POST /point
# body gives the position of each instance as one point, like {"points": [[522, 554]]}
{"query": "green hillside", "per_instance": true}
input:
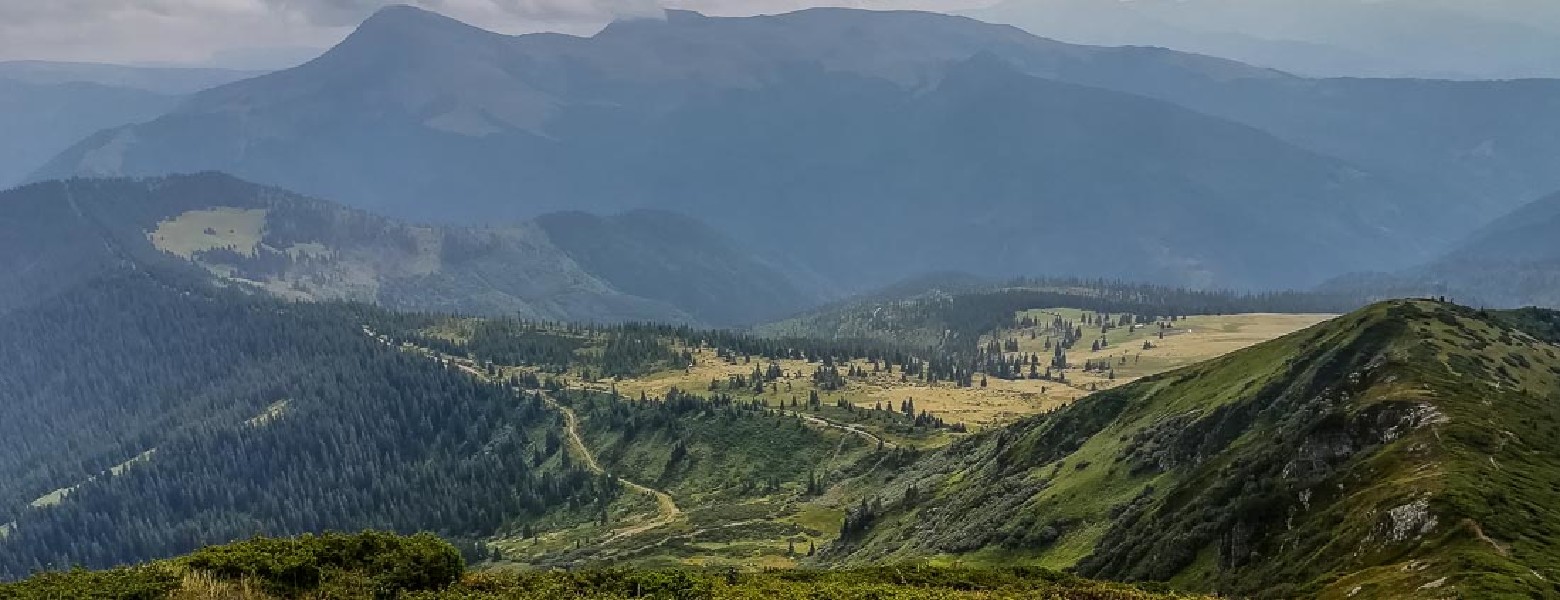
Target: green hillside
{"points": [[376, 566], [147, 413], [144, 416], [56, 234], [719, 475], [955, 315], [1405, 450], [676, 259]]}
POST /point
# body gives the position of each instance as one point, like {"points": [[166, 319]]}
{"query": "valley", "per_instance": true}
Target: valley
{"points": [[873, 414], [1194, 339], [610, 301], [1251, 358], [856, 452], [763, 528]]}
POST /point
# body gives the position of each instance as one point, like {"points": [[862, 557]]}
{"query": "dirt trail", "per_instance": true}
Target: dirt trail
{"points": [[821, 422], [667, 510], [682, 536]]}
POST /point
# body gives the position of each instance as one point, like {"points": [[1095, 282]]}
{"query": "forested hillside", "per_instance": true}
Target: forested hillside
{"points": [[730, 475], [853, 303], [1400, 451], [679, 260], [954, 317], [145, 420], [155, 413], [151, 413], [59, 233]]}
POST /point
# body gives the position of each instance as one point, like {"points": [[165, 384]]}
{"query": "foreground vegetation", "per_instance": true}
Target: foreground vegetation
{"points": [[378, 566]]}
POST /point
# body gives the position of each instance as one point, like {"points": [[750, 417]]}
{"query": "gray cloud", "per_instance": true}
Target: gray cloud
{"points": [[195, 31]]}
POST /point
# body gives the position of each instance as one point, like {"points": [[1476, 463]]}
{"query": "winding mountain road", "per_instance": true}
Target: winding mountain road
{"points": [[666, 507]]}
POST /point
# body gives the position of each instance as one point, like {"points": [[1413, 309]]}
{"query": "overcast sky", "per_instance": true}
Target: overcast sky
{"points": [[258, 31]]}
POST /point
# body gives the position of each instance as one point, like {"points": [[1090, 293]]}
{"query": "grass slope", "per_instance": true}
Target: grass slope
{"points": [[753, 479], [375, 566], [1404, 450]]}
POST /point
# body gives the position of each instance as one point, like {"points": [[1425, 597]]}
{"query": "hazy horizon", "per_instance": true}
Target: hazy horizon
{"points": [[271, 34]]}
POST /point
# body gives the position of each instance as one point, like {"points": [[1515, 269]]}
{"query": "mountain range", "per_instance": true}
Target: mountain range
{"points": [[567, 302], [160, 80], [639, 266], [833, 133], [1339, 38], [45, 107], [1514, 261]]}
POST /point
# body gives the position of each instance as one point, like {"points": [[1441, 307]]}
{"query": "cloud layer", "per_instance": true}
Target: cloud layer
{"points": [[203, 31]]}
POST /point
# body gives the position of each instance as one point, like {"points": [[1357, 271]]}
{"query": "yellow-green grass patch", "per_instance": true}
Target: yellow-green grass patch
{"points": [[197, 231]]}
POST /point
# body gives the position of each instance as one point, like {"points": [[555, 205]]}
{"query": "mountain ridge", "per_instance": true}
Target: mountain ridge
{"points": [[1357, 455], [299, 247], [1349, 38], [740, 121], [1509, 263]]}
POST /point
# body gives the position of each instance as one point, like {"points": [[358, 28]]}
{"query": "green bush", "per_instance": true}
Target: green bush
{"points": [[290, 567], [383, 566], [152, 582]]}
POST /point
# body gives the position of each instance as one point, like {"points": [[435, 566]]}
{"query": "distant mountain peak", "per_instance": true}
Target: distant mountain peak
{"points": [[684, 15], [403, 23], [401, 33], [404, 13]]}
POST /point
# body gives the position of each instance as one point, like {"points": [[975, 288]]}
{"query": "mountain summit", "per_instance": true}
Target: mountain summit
{"points": [[403, 28]]}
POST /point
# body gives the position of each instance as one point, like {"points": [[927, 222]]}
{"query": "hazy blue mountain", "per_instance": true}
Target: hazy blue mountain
{"points": [[57, 234], [1001, 173], [39, 120], [1530, 234], [1512, 262], [1489, 143], [161, 80], [870, 146], [45, 107], [1369, 38], [669, 256]]}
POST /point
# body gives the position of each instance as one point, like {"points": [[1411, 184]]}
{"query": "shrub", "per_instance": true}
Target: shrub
{"points": [[152, 582], [290, 567]]}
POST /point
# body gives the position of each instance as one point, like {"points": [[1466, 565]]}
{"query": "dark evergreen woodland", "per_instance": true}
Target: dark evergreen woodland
{"points": [[230, 416]]}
